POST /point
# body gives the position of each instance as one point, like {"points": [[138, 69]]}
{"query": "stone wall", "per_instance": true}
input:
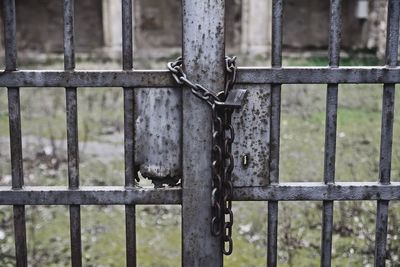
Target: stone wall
{"points": [[306, 24], [377, 26], [40, 25], [158, 23], [256, 27]]}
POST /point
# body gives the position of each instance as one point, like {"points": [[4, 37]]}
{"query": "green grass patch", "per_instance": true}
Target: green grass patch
{"points": [[323, 61], [348, 117]]}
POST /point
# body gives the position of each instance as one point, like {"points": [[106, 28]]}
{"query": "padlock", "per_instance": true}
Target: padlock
{"points": [[234, 99]]}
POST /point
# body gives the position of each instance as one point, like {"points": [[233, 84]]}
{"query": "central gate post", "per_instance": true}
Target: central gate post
{"points": [[204, 63]]}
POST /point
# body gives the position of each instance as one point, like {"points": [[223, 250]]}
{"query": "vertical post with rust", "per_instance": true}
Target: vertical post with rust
{"points": [[392, 44], [72, 134], [203, 60], [15, 131], [330, 131], [276, 62], [129, 132]]}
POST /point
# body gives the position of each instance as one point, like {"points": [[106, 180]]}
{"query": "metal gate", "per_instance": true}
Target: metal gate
{"points": [[203, 59]]}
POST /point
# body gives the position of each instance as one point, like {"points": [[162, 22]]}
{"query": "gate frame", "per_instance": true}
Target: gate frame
{"points": [[204, 63]]}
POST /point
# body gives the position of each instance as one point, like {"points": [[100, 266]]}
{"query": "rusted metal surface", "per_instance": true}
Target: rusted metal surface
{"points": [[130, 235], [318, 75], [119, 195], [252, 133], [319, 191], [330, 131], [158, 123], [163, 79], [89, 195], [388, 99], [72, 134], [14, 111], [10, 38], [20, 236], [276, 62], [204, 61], [129, 131], [75, 233]]}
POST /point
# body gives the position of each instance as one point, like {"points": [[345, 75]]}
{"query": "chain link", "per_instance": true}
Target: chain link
{"points": [[222, 140], [198, 90]]}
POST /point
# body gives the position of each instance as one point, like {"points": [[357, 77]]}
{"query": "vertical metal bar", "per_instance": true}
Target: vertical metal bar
{"points": [[15, 131], [69, 48], [75, 232], [276, 61], [203, 56], [20, 236], [129, 132], [127, 44], [272, 248], [130, 224], [330, 131], [327, 226], [10, 37], [72, 134], [381, 232], [392, 43]]}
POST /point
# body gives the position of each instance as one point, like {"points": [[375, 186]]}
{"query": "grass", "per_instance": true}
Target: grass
{"points": [[158, 227], [323, 61]]}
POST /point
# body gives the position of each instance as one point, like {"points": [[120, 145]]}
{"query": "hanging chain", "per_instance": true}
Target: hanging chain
{"points": [[222, 106]]}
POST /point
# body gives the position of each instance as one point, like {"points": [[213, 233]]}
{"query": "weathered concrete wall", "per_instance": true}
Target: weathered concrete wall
{"points": [[40, 25], [377, 26], [256, 27], [306, 24], [112, 26], [158, 24]]}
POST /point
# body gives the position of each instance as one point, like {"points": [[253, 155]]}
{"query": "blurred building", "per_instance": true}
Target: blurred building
{"points": [[157, 25]]}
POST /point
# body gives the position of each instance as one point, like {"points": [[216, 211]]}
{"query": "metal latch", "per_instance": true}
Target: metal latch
{"points": [[222, 164]]}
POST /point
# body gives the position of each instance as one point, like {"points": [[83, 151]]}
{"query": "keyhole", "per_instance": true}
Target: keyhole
{"points": [[245, 160]]}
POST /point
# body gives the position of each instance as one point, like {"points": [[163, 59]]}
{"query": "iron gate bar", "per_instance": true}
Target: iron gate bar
{"points": [[318, 75], [162, 79], [129, 132], [319, 192], [276, 62], [89, 195], [330, 131], [203, 51], [15, 132], [72, 134], [388, 99], [120, 195]]}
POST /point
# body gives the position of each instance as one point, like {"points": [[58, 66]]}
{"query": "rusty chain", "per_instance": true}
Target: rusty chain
{"points": [[222, 139]]}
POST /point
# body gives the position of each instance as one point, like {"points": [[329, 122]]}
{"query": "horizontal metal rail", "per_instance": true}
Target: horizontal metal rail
{"points": [[119, 195], [88, 195], [319, 191], [161, 78], [318, 75]]}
